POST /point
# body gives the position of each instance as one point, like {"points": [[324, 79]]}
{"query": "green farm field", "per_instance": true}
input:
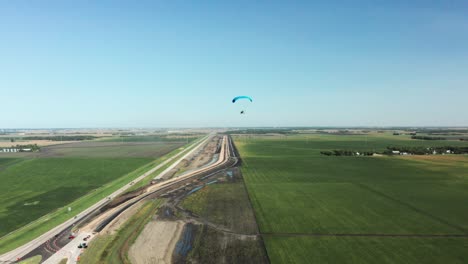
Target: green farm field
{"points": [[305, 201], [36, 189]]}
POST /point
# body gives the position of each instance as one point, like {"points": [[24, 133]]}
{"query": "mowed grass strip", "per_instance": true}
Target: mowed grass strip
{"points": [[114, 248], [362, 250], [32, 260]]}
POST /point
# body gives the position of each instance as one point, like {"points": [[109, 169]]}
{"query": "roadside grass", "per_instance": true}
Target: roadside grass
{"points": [[114, 248], [196, 202], [63, 261], [369, 250], [296, 190], [32, 260]]}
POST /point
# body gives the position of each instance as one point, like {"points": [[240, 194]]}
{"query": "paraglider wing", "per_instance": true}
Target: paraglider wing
{"points": [[242, 97]]}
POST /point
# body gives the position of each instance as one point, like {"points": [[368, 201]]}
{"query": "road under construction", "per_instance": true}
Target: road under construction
{"points": [[59, 246]]}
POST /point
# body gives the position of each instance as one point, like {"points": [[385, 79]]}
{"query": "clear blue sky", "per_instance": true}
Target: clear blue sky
{"points": [[179, 63]]}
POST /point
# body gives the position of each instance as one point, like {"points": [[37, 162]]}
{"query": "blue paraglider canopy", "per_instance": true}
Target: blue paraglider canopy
{"points": [[242, 97]]}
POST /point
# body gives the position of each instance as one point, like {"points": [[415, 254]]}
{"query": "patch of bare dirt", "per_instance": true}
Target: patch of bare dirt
{"points": [[200, 158], [156, 242], [125, 197]]}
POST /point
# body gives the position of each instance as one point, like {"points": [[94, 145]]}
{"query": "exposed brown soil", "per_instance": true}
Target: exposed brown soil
{"points": [[156, 242], [125, 197], [7, 144]]}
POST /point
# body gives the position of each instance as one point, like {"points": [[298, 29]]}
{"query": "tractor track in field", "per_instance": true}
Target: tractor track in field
{"points": [[190, 217]]}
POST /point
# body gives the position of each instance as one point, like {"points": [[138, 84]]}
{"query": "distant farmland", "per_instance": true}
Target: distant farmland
{"points": [[315, 208]]}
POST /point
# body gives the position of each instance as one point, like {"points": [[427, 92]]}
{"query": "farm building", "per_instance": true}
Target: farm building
{"points": [[9, 150]]}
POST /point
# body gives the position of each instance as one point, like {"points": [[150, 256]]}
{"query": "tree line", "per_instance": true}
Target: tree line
{"points": [[346, 153], [394, 150], [427, 138]]}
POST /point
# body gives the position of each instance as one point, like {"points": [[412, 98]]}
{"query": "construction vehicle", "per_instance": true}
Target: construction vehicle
{"points": [[83, 245]]}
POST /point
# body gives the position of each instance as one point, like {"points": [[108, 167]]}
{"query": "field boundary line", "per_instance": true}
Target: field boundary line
{"points": [[415, 209], [368, 235]]}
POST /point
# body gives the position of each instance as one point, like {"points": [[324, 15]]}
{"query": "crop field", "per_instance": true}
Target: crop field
{"points": [[37, 187], [149, 146], [153, 138], [386, 250], [313, 208], [111, 149], [34, 187]]}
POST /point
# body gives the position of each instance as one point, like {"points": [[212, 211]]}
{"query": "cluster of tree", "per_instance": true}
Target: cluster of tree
{"points": [[32, 147], [443, 131], [124, 134], [409, 150], [427, 138], [346, 153], [61, 138]]}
